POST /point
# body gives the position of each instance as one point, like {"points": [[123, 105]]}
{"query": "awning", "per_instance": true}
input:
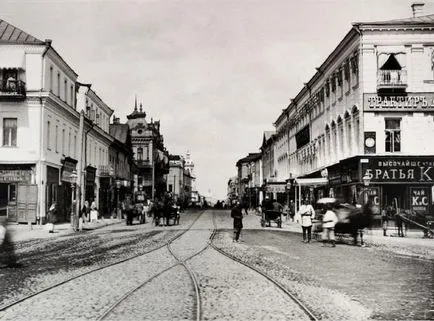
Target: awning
{"points": [[11, 59], [311, 181]]}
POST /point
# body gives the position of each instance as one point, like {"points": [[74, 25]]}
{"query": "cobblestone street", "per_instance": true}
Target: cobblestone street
{"points": [[342, 283]]}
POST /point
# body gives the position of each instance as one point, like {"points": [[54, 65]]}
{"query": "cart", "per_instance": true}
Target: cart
{"points": [[269, 216]]}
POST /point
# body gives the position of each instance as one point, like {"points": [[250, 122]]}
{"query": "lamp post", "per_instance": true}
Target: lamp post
{"points": [[73, 179], [118, 187]]}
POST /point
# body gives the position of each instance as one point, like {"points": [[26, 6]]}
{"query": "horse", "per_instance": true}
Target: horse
{"points": [[358, 219]]}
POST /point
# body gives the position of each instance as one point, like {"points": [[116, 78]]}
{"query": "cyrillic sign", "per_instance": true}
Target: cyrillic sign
{"points": [[384, 169], [421, 102]]}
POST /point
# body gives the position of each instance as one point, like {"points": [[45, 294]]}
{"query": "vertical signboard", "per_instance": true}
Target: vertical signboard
{"points": [[420, 200]]}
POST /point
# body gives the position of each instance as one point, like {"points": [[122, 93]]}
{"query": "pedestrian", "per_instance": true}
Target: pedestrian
{"points": [[93, 212], [8, 258], [291, 210], [85, 211], [129, 210], [329, 221], [237, 215], [307, 213]]}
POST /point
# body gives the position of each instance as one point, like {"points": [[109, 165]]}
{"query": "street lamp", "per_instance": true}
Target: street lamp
{"points": [[118, 187], [73, 179]]}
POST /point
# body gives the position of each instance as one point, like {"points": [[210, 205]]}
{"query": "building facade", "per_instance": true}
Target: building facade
{"points": [[54, 137], [149, 154], [360, 118]]}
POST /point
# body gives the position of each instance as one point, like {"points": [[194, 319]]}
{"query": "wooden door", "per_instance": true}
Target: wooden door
{"points": [[27, 202]]}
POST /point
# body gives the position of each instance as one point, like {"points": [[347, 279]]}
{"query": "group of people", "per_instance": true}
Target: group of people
{"points": [[306, 213]]}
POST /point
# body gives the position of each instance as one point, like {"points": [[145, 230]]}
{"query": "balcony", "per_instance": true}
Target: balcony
{"points": [[391, 79], [13, 88]]}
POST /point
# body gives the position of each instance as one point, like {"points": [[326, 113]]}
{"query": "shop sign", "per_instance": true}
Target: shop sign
{"points": [[420, 102], [15, 175], [90, 175], [276, 188], [420, 200], [399, 170], [67, 169]]}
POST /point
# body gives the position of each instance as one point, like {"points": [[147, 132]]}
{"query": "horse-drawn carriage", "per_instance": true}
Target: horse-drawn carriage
{"points": [[269, 216], [352, 220], [166, 215]]}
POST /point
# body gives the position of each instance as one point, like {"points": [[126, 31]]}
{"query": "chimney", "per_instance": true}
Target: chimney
{"points": [[417, 8], [116, 120]]}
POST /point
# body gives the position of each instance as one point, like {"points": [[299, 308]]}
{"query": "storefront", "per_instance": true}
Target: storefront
{"points": [[89, 186], [69, 166], [18, 196], [404, 183]]}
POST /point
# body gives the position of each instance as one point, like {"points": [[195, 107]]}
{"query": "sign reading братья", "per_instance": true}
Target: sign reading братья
{"points": [[412, 102]]}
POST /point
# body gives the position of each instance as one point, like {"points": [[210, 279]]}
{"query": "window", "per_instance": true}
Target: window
{"points": [[58, 84], [71, 96], [393, 135], [51, 79], [48, 135], [10, 131], [140, 153], [65, 89], [75, 145], [69, 143], [56, 142], [63, 141]]}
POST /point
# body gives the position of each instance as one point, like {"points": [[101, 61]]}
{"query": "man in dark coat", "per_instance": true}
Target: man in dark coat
{"points": [[237, 215]]}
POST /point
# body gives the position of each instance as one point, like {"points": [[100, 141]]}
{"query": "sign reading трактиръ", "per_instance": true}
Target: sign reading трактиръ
{"points": [[419, 102], [383, 169]]}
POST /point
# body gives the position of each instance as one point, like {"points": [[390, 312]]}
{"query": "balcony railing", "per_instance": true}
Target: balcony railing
{"points": [[392, 78], [13, 88]]}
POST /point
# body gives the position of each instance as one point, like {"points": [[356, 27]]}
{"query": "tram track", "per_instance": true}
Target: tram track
{"points": [[8, 305], [180, 261], [292, 296]]}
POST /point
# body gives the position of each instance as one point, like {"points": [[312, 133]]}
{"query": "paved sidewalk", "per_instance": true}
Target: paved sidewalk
{"points": [[372, 236], [24, 232]]}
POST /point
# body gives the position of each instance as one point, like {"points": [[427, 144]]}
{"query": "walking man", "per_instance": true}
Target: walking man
{"points": [[237, 215], [307, 213], [329, 221]]}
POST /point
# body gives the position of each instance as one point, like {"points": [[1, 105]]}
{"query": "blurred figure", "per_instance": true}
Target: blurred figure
{"points": [[291, 210], [307, 213], [129, 210], [7, 251], [277, 207], [237, 215], [329, 221], [85, 211]]}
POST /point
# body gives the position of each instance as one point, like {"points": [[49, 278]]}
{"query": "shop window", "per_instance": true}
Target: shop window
{"points": [[10, 131], [393, 135], [12, 193]]}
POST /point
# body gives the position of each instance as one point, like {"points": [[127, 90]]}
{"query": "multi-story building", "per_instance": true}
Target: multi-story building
{"points": [[249, 179], [175, 177], [54, 130], [363, 117], [121, 166], [232, 190], [150, 155]]}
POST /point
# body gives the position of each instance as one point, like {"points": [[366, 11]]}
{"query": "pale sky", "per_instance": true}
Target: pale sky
{"points": [[216, 73]]}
